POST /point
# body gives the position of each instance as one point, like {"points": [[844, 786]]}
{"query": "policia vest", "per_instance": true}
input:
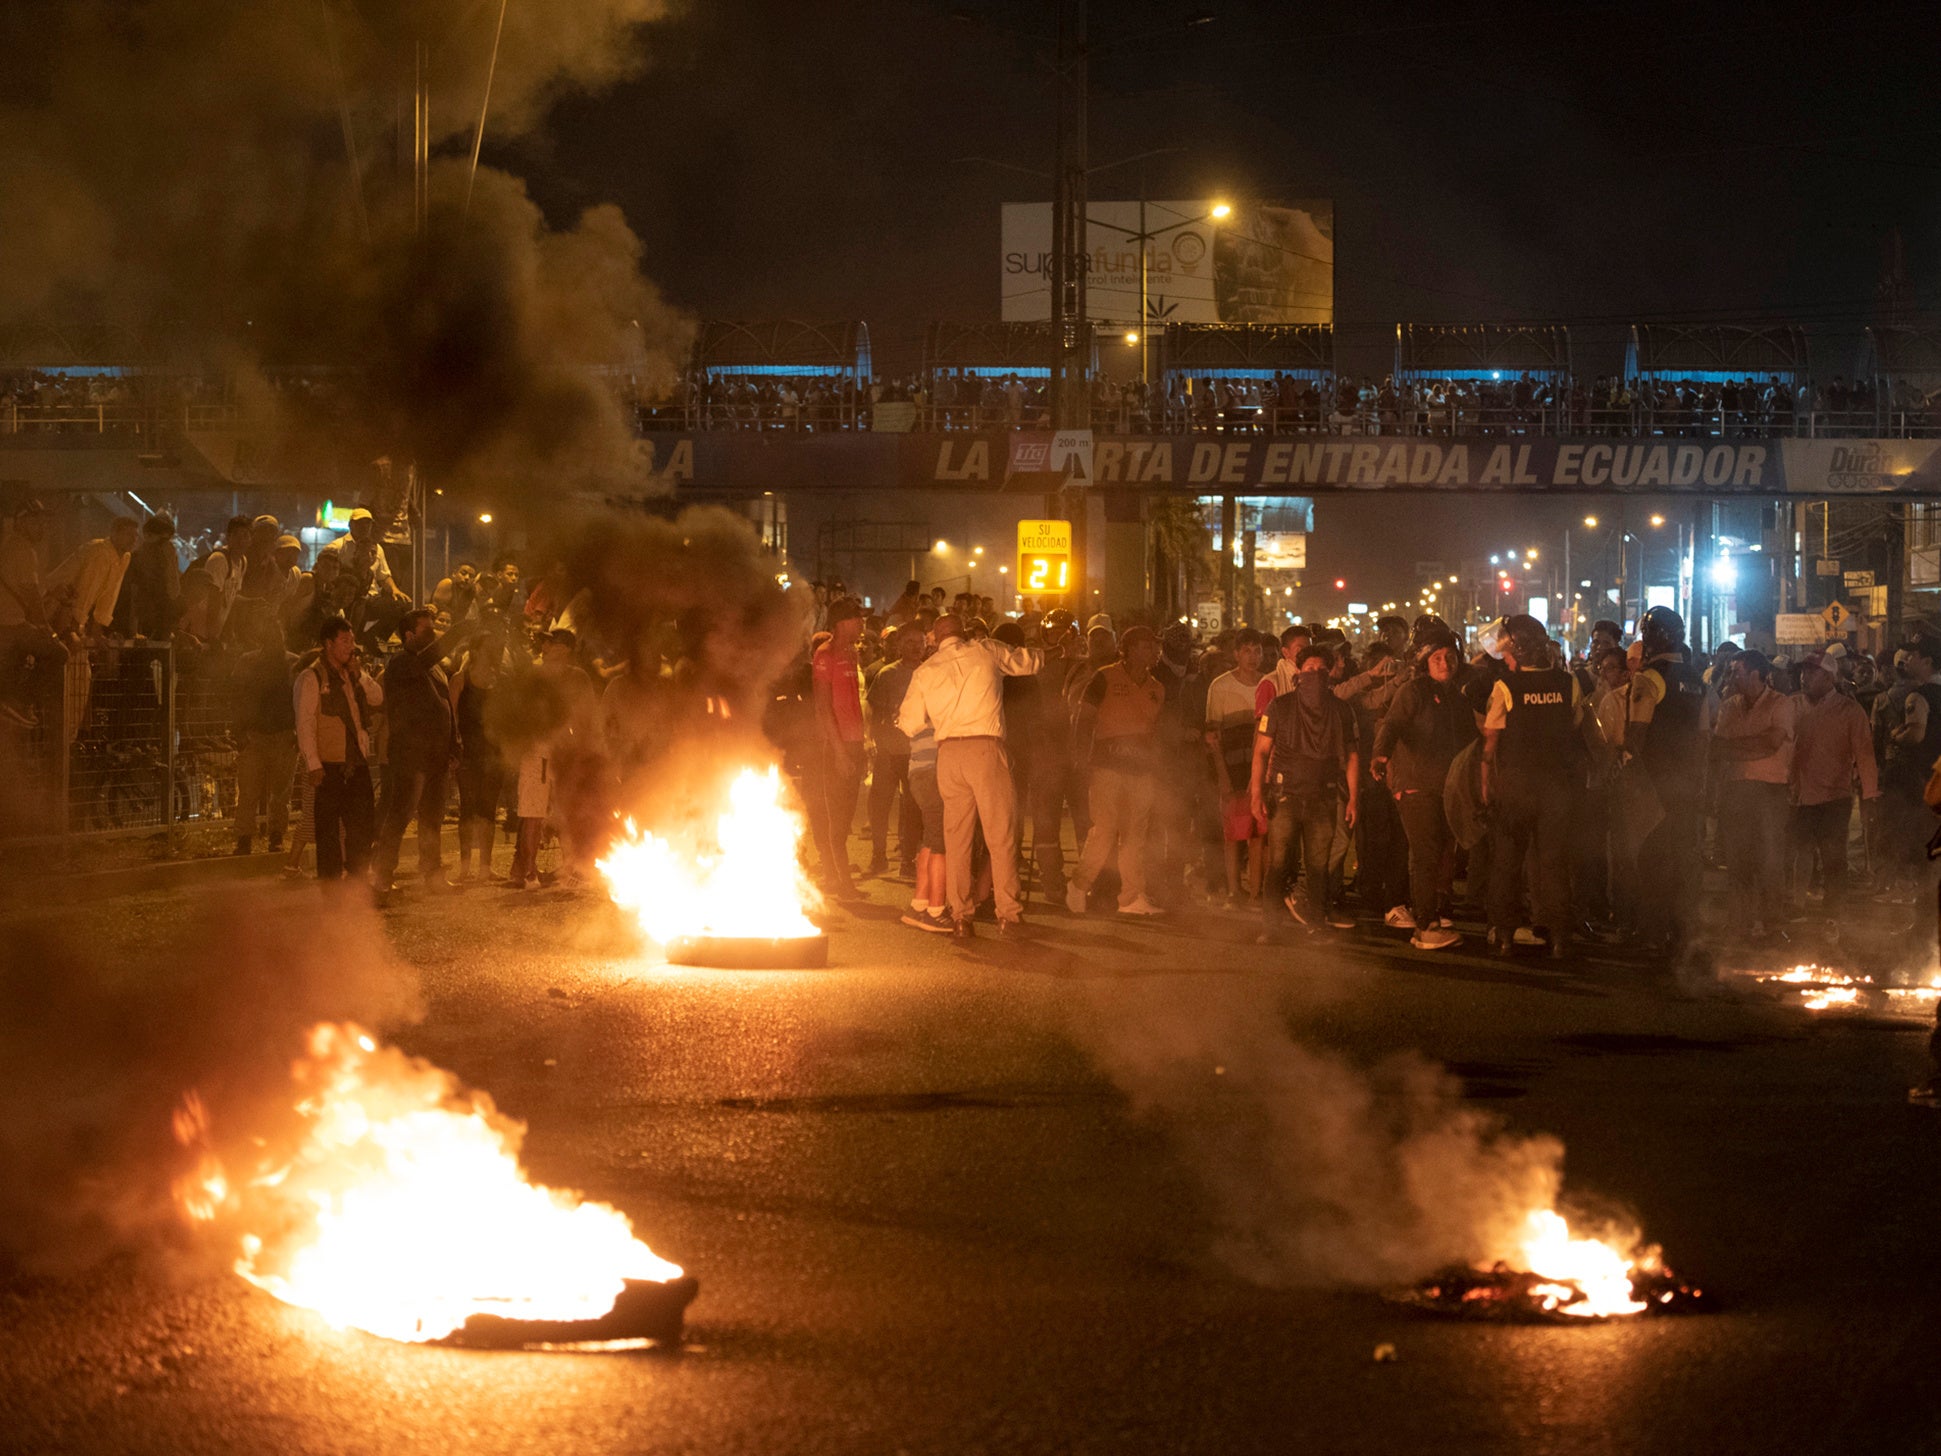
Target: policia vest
{"points": [[1538, 742], [1674, 749]]}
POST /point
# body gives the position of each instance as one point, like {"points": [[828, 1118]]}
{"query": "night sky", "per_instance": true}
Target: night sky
{"points": [[1594, 164]]}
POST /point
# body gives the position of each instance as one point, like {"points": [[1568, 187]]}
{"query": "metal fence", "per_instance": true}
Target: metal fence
{"points": [[141, 741]]}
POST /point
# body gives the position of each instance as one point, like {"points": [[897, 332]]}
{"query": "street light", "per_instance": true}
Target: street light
{"points": [[1132, 336], [1144, 237], [1220, 209], [1591, 521], [485, 518], [941, 547], [1657, 520]]}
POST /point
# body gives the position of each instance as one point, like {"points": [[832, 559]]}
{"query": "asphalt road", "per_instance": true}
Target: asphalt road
{"points": [[950, 1198]]}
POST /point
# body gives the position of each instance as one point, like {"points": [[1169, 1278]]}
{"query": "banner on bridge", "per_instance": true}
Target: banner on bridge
{"points": [[741, 463]]}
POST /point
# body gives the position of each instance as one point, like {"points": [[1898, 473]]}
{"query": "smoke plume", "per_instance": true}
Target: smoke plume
{"points": [[1317, 1171], [230, 187], [98, 1051]]}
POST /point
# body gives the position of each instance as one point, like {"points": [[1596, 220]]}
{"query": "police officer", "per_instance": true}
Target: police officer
{"points": [[1529, 758], [1665, 734]]}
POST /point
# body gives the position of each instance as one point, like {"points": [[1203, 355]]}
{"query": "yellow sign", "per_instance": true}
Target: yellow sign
{"points": [[1045, 558], [1835, 616]]}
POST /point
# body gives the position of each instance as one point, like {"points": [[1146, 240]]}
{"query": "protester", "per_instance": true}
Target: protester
{"points": [[1426, 726], [419, 751], [266, 720], [89, 581], [1116, 733], [836, 766], [335, 699], [958, 693], [1753, 741], [1833, 750], [889, 771], [481, 767], [1305, 774], [1230, 719]]}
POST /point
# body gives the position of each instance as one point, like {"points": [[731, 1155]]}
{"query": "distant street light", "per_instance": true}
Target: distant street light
{"points": [[941, 547], [485, 518]]}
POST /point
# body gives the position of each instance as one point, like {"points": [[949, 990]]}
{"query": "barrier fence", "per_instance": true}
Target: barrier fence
{"points": [[141, 740]]}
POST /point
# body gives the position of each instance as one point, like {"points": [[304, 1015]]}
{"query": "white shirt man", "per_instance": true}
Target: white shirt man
{"points": [[959, 694]]}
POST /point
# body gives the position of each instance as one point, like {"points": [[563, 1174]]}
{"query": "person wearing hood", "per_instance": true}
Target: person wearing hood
{"points": [[1305, 769], [1424, 729]]}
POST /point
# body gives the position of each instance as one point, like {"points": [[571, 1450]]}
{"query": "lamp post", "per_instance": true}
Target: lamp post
{"points": [[1145, 237]]}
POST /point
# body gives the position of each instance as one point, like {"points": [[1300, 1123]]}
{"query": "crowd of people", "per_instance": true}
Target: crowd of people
{"points": [[1412, 783], [1286, 402]]}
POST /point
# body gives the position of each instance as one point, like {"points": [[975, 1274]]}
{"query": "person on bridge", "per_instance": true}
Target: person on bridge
{"points": [[959, 694], [1116, 732], [1530, 759]]}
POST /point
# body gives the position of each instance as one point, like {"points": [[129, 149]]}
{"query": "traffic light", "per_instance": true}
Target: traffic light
{"points": [[1340, 584]]}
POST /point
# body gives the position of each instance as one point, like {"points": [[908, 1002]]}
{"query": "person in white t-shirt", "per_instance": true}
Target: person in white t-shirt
{"points": [[1230, 720]]}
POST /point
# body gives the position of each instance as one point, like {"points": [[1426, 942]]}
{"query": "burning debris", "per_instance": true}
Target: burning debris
{"points": [[1824, 988], [1557, 1275], [726, 892], [395, 1204]]}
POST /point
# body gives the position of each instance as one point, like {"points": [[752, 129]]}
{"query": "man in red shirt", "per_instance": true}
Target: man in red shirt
{"points": [[836, 771]]}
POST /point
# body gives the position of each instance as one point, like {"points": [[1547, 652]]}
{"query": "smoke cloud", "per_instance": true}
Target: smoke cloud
{"points": [[97, 1052], [230, 186], [1317, 1171]]}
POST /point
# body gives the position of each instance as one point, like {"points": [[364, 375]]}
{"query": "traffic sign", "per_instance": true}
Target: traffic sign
{"points": [[1835, 616], [1045, 558]]}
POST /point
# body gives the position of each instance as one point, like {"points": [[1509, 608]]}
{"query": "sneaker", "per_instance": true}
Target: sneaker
{"points": [[1075, 898], [1140, 906], [1527, 935], [930, 924], [1400, 918], [1443, 922], [243, 846], [1340, 920], [1434, 938]]}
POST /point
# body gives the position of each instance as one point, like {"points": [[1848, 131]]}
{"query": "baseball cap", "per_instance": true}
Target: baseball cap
{"points": [[360, 513], [1099, 620], [288, 543], [1815, 662]]}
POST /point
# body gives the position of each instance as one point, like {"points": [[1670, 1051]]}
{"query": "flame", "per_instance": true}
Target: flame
{"points": [[1587, 1277], [403, 1210], [745, 880]]}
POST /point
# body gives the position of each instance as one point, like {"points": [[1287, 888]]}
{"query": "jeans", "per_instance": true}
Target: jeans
{"points": [[1122, 805], [833, 779], [414, 787], [1820, 831], [1530, 821], [1306, 822], [888, 774], [342, 807], [1382, 878], [1432, 853], [1056, 783], [1753, 824]]}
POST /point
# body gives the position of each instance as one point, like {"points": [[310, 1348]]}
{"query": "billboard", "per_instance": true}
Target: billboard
{"points": [[1262, 263]]}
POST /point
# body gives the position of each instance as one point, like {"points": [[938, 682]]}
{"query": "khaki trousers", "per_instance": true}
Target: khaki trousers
{"points": [[1121, 806], [974, 780]]}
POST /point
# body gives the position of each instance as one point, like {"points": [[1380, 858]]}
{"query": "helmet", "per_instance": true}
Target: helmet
{"points": [[1421, 644], [1489, 637], [1427, 626], [1661, 630], [1528, 640]]}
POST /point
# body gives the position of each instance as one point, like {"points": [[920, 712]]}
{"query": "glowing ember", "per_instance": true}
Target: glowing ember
{"points": [[745, 879], [400, 1208]]}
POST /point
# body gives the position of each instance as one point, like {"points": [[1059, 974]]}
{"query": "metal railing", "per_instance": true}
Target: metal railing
{"points": [[121, 418], [140, 741]]}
